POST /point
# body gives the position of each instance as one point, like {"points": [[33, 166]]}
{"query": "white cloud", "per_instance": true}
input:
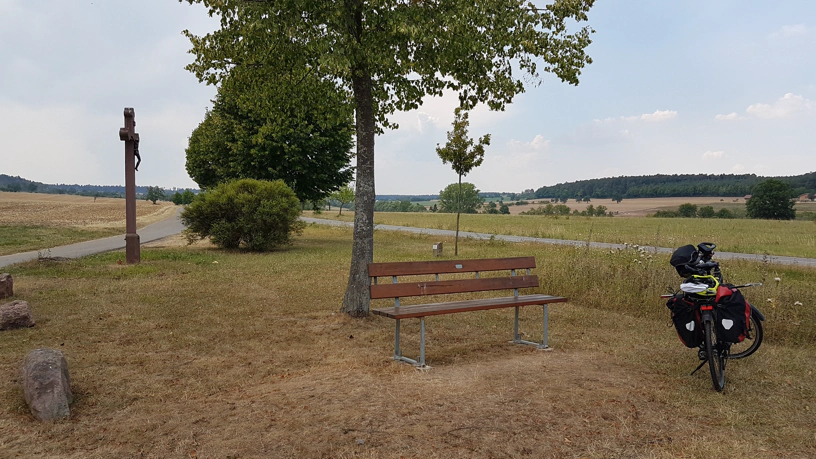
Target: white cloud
{"points": [[538, 143], [788, 106], [713, 155], [658, 115], [729, 117], [795, 30]]}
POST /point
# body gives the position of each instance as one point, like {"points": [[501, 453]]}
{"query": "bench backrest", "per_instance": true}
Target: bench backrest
{"points": [[395, 289]]}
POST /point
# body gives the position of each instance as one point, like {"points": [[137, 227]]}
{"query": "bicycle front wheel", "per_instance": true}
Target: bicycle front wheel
{"points": [[752, 339], [716, 359]]}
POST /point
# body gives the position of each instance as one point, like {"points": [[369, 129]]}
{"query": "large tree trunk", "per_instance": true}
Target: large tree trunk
{"points": [[356, 300]]}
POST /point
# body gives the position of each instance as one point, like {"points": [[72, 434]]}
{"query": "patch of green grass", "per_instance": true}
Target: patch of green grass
{"points": [[19, 239], [788, 238]]}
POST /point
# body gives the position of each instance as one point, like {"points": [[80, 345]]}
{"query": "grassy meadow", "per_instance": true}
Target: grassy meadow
{"points": [[198, 352], [795, 238]]}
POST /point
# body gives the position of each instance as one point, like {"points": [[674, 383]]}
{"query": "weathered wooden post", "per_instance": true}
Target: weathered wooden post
{"points": [[131, 138]]}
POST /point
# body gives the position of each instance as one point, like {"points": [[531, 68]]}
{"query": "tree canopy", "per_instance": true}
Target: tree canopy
{"points": [[451, 199], [269, 128], [771, 200], [388, 55]]}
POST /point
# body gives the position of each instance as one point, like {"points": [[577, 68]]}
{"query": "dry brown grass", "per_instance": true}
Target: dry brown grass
{"points": [[248, 357]]}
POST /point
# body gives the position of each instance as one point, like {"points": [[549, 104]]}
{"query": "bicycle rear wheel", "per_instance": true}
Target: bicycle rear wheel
{"points": [[716, 358], [752, 340]]}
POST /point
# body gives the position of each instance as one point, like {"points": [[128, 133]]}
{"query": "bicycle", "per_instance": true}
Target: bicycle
{"points": [[706, 312]]}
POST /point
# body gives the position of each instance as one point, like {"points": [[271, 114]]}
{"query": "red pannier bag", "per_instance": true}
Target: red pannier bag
{"points": [[733, 313]]}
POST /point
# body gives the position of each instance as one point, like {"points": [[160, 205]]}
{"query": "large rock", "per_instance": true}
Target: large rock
{"points": [[16, 314], [46, 384], [6, 286]]}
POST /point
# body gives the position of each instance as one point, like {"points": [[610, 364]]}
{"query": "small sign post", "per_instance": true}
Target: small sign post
{"points": [[131, 138]]}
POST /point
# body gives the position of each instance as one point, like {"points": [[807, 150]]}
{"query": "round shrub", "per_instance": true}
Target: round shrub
{"points": [[252, 214]]}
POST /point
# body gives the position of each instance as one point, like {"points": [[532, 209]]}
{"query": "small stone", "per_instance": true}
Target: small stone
{"points": [[6, 286], [16, 314], [46, 384]]}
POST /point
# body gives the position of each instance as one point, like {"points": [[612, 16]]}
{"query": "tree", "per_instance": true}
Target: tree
{"points": [[706, 212], [154, 193], [688, 210], [812, 197], [269, 129], [771, 200], [387, 56], [468, 200], [463, 155], [344, 196], [504, 209], [252, 214]]}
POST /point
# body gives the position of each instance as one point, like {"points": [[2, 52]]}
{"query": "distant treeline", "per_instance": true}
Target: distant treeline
{"points": [[17, 184], [658, 186]]}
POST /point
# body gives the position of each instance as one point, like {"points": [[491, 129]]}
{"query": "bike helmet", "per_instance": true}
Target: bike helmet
{"points": [[684, 258], [701, 286]]}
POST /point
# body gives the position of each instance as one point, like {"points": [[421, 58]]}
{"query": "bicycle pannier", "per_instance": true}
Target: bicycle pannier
{"points": [[682, 258], [733, 314], [686, 321]]}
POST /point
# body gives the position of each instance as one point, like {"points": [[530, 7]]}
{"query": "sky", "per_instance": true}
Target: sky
{"points": [[699, 86]]}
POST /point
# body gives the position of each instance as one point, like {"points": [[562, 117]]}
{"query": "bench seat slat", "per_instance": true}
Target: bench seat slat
{"points": [[415, 268], [433, 309], [451, 286]]}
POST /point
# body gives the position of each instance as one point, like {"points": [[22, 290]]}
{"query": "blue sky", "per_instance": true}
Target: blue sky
{"points": [[675, 87]]}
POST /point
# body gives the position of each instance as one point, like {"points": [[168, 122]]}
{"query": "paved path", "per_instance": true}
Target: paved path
{"points": [[600, 245], [158, 230]]}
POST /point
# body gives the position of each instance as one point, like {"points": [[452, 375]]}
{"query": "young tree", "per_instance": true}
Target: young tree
{"points": [[387, 56], [344, 196], [463, 156], [771, 200], [154, 193]]}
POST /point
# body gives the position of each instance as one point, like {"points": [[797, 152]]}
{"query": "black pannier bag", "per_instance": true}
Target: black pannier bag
{"points": [[733, 314], [686, 321], [682, 258]]}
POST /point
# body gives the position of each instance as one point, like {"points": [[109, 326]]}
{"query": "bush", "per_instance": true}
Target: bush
{"points": [[253, 214]]}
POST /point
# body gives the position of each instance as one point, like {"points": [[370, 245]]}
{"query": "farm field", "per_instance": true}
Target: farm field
{"points": [[34, 221], [788, 238], [166, 363]]}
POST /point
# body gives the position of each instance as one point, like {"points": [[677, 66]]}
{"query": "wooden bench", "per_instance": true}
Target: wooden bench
{"points": [[397, 290]]}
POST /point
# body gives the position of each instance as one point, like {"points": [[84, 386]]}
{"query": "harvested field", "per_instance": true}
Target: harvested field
{"points": [[638, 207], [59, 210], [35, 221]]}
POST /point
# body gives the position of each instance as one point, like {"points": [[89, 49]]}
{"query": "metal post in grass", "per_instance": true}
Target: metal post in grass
{"points": [[131, 138]]}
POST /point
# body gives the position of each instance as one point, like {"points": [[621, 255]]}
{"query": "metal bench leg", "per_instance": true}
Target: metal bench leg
{"points": [[517, 338], [398, 352], [422, 341], [545, 340]]}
